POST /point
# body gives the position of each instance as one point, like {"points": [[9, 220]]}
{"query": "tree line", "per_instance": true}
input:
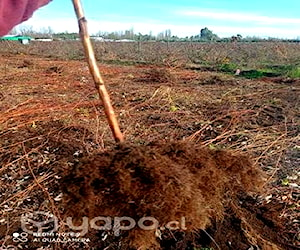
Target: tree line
{"points": [[205, 35]]}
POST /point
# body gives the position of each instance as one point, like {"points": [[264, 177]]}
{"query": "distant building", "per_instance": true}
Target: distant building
{"points": [[43, 39], [98, 38], [21, 39], [125, 41], [101, 39]]}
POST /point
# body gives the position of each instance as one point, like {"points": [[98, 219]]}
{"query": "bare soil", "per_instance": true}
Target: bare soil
{"points": [[219, 150]]}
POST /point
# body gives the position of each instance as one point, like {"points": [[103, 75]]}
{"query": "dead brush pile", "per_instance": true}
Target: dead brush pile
{"points": [[167, 182], [156, 75]]}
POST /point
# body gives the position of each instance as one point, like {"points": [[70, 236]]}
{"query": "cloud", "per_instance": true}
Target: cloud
{"points": [[182, 29], [144, 27], [262, 31], [238, 17], [57, 24]]}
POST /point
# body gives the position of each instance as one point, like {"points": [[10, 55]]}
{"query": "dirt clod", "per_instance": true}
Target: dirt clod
{"points": [[167, 182]]}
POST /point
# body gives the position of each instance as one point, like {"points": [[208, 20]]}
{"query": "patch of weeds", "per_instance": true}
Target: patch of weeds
{"points": [[173, 108], [228, 67], [212, 146], [254, 74], [268, 71], [275, 101], [291, 71], [285, 182], [83, 111], [279, 68], [294, 73]]}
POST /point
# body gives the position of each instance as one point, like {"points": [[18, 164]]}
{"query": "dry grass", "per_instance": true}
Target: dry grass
{"points": [[48, 118]]}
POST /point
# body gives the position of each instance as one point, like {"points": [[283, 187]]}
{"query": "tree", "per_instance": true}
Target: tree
{"points": [[168, 34], [207, 35], [14, 31], [46, 32], [165, 35], [25, 30], [239, 37], [129, 34], [160, 36]]}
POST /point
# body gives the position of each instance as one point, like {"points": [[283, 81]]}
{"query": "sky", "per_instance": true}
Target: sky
{"points": [[261, 18]]}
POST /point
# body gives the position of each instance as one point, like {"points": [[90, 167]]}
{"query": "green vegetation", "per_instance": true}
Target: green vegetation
{"points": [[285, 182], [228, 67], [294, 72], [253, 74]]}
